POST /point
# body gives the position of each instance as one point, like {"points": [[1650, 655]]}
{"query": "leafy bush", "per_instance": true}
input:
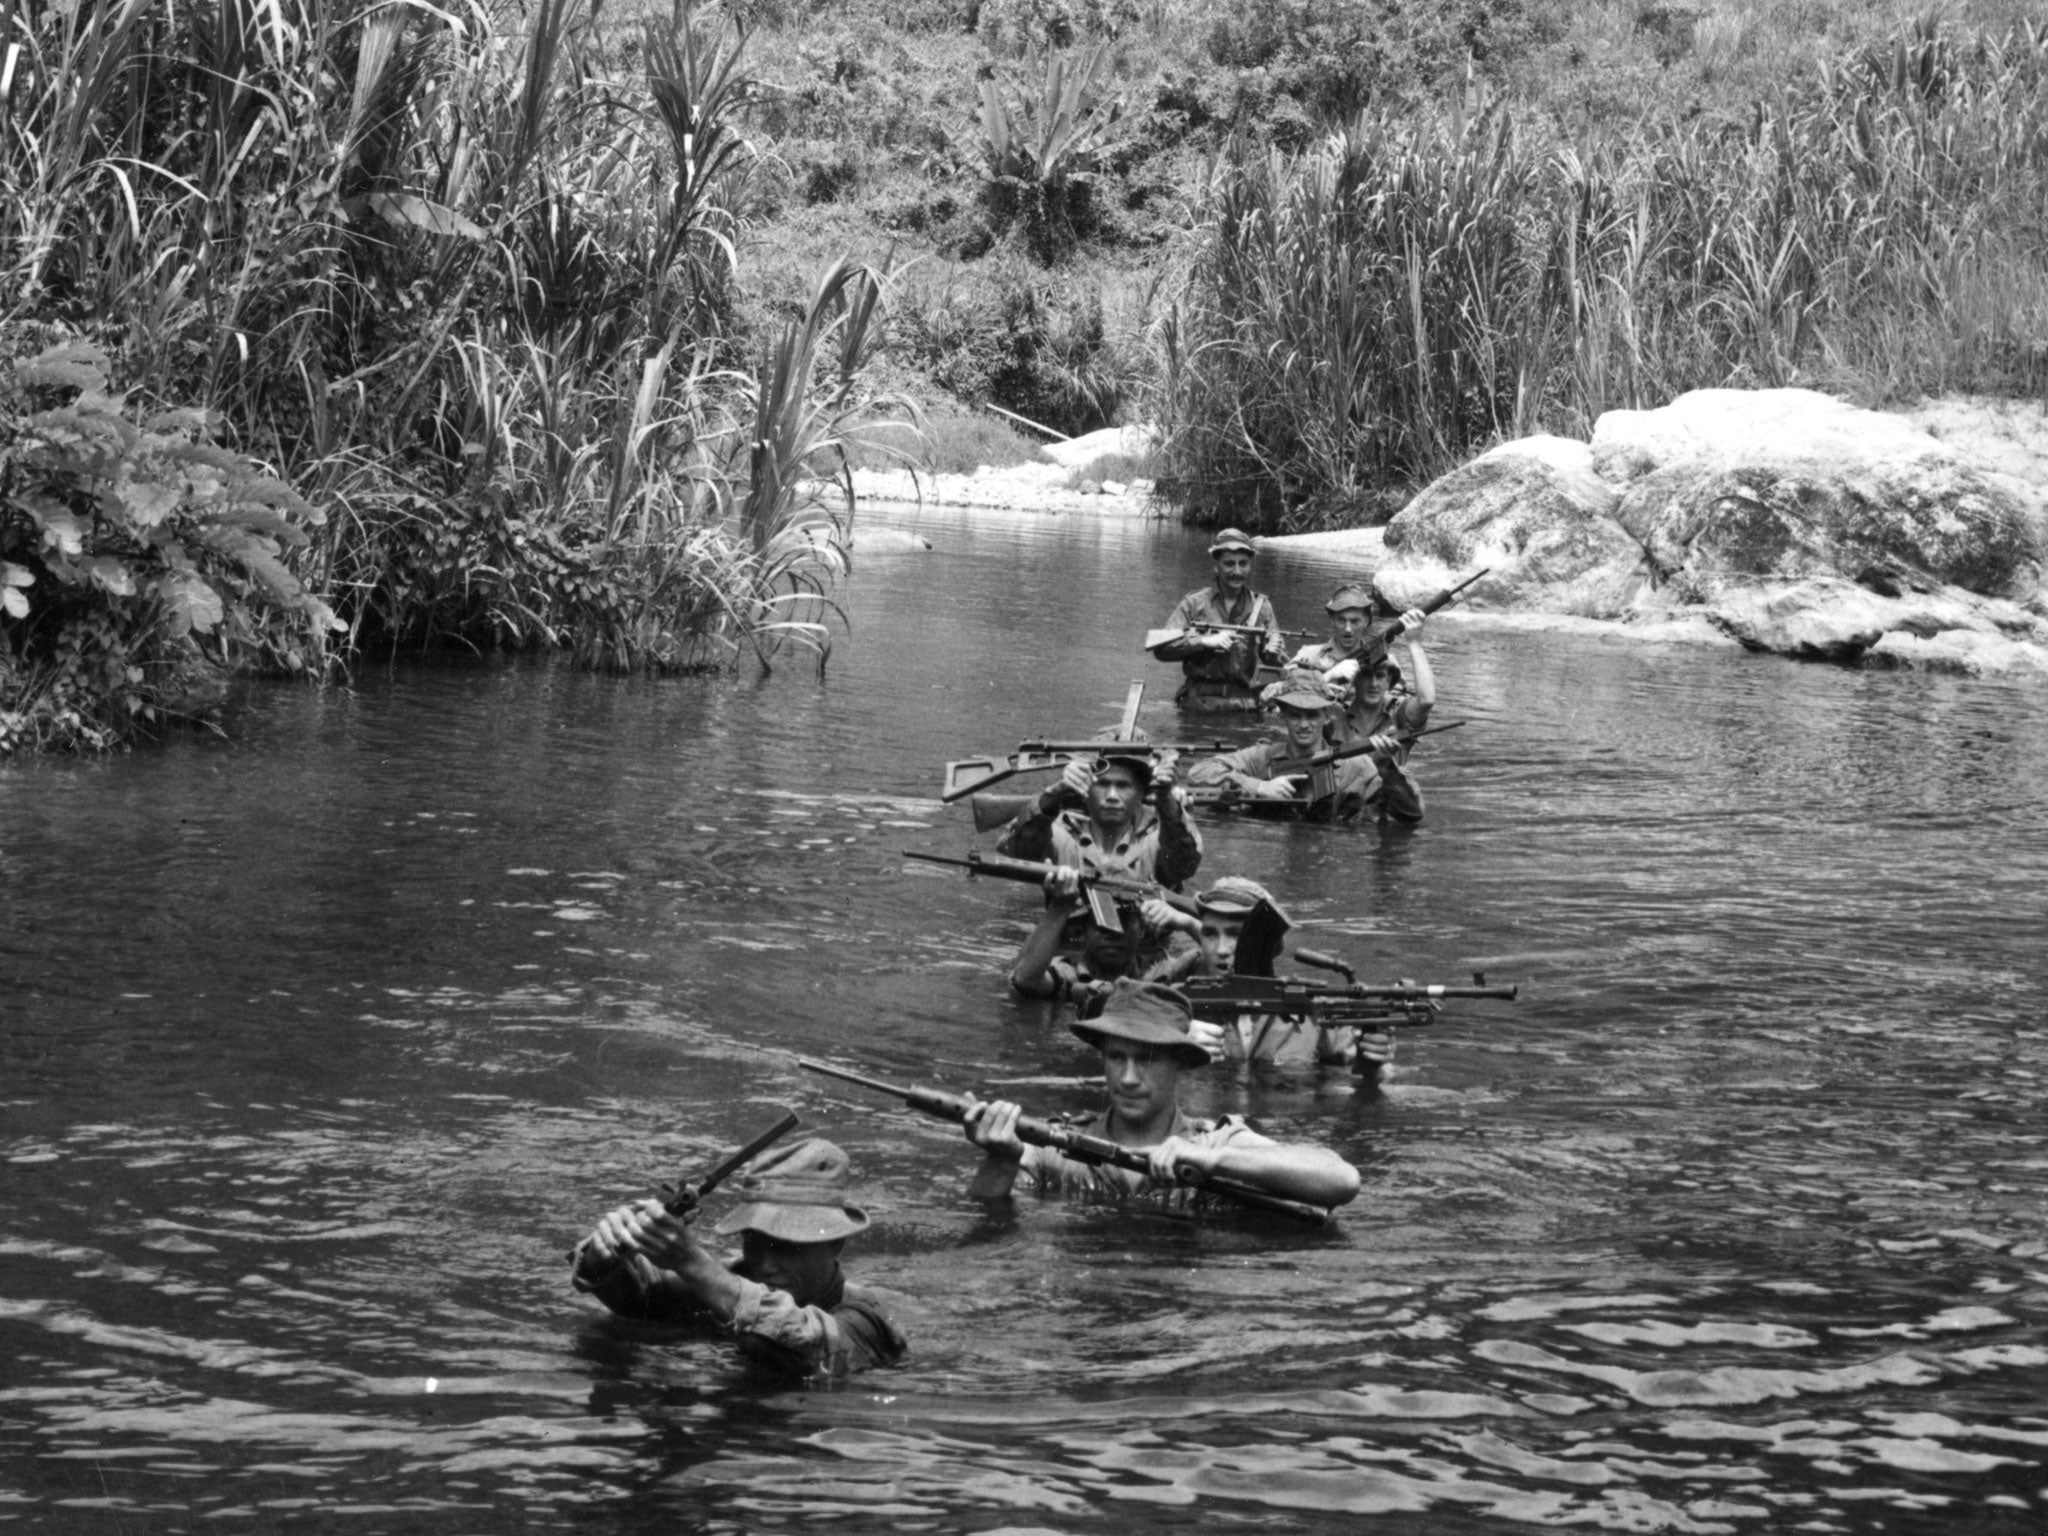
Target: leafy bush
{"points": [[1045, 148], [136, 558]]}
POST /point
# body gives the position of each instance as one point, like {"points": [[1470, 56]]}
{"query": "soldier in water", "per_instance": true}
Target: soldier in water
{"points": [[784, 1301], [1219, 665], [1143, 1038], [1121, 815], [1371, 704]]}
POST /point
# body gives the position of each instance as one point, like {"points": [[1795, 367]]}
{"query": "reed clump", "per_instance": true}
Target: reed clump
{"points": [[1365, 314], [467, 291]]}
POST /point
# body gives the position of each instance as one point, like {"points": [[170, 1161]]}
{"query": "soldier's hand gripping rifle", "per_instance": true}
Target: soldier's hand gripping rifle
{"points": [[1102, 893], [1078, 1145], [682, 1201], [1374, 652], [1155, 638]]}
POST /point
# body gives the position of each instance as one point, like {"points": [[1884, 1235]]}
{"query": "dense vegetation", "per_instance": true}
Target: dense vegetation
{"points": [[330, 326]]}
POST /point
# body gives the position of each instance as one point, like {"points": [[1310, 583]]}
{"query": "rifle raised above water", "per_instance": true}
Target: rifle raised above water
{"points": [[1374, 652], [1100, 892], [967, 774], [1078, 1145], [682, 1201]]}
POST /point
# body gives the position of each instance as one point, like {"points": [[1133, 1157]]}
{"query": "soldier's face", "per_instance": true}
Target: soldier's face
{"points": [[1220, 935], [1374, 686], [1347, 628], [1233, 570], [1304, 728], [1115, 794], [802, 1269], [1143, 1081]]}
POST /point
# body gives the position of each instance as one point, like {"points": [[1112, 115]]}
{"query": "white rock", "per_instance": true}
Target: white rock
{"points": [[1080, 452]]}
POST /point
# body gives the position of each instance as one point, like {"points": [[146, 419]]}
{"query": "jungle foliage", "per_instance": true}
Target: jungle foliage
{"points": [[352, 326]]}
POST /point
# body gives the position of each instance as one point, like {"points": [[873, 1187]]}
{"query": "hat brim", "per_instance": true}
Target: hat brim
{"points": [[1093, 1035], [794, 1223], [1141, 766], [1306, 702]]}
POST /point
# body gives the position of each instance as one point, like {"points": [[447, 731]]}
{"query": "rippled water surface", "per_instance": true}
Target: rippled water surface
{"points": [[319, 1045]]}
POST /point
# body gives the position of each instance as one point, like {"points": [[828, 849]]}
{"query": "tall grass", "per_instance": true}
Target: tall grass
{"points": [[470, 290], [1363, 316]]}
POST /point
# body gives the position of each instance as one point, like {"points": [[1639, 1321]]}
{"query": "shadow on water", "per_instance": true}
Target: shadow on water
{"points": [[320, 1044]]}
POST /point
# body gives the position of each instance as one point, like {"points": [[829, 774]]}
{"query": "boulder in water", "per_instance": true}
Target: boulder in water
{"points": [[1793, 522]]}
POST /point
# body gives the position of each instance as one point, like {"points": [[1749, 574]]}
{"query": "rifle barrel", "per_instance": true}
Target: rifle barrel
{"points": [[1075, 1144]]}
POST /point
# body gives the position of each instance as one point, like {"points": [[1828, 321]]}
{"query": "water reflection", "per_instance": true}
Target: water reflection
{"points": [[320, 1044]]}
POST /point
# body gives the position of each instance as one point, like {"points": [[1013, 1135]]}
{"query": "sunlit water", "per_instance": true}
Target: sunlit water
{"points": [[319, 1045]]}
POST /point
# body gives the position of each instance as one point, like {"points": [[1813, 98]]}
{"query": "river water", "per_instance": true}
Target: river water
{"points": [[320, 1044]]}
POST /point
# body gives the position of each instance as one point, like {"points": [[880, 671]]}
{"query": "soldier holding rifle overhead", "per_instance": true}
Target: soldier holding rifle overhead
{"points": [[1123, 816], [784, 1300], [1143, 1037], [1219, 634], [1371, 702]]}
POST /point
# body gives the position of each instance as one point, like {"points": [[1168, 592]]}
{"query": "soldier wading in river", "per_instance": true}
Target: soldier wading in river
{"points": [[1218, 656], [784, 1300], [1143, 1035]]}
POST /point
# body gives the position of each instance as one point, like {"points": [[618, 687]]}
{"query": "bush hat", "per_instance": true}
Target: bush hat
{"points": [[1304, 691], [1350, 595], [1236, 897], [1145, 1013], [796, 1194], [1231, 538]]}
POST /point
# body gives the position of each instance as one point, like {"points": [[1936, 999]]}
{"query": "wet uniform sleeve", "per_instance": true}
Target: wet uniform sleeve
{"points": [[1189, 610], [632, 1286], [770, 1326]]}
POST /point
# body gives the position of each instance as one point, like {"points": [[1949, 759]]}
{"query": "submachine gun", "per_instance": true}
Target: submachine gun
{"points": [[966, 775], [1102, 893], [1078, 1145]]}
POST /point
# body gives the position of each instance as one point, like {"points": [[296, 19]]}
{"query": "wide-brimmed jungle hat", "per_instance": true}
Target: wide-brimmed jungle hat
{"points": [[1145, 1013], [1231, 538], [796, 1194], [1351, 595], [1302, 690]]}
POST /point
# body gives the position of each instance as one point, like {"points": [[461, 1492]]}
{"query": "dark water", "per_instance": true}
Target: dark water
{"points": [[319, 1045]]}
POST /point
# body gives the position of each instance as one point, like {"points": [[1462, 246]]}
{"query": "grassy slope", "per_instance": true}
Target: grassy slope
{"points": [[867, 117]]}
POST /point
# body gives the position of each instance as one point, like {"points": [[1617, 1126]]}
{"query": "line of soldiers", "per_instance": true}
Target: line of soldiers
{"points": [[1328, 697], [784, 1299]]}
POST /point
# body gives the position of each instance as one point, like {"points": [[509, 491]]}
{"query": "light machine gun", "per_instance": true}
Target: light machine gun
{"points": [[1374, 652]]}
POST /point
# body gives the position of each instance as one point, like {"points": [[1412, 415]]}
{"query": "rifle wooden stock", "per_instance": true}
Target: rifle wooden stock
{"points": [[1100, 892], [1078, 1145], [1374, 651]]}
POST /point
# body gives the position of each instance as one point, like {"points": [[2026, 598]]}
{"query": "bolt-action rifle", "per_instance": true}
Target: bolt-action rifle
{"points": [[1102, 893], [1374, 651], [1079, 1145], [682, 1201]]}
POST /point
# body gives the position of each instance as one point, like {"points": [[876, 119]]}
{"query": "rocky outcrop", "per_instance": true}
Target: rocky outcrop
{"points": [[1791, 521]]}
